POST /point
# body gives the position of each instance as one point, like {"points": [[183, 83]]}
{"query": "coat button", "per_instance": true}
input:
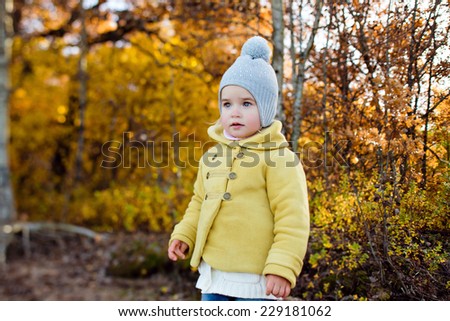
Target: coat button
{"points": [[207, 175], [240, 155], [226, 196], [232, 175]]}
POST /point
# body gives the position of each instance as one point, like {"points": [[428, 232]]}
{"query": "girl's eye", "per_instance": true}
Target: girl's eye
{"points": [[247, 104], [226, 105]]}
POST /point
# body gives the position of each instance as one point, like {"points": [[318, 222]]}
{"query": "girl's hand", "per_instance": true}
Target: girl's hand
{"points": [[278, 286], [177, 250]]}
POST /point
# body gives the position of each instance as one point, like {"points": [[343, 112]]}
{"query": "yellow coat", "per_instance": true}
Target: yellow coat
{"points": [[249, 212]]}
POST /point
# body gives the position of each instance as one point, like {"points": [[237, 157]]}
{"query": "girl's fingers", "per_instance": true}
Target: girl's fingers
{"points": [[172, 252], [277, 286], [177, 250], [269, 286], [183, 248], [172, 255], [287, 291]]}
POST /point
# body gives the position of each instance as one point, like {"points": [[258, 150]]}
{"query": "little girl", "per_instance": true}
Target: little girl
{"points": [[247, 225]]}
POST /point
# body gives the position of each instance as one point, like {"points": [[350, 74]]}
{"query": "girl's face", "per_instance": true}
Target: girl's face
{"points": [[240, 114]]}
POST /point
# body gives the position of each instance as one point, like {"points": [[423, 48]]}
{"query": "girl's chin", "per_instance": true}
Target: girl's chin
{"points": [[235, 131]]}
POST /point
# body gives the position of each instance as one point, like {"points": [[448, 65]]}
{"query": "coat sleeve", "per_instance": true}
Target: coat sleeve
{"points": [[186, 229], [288, 197]]}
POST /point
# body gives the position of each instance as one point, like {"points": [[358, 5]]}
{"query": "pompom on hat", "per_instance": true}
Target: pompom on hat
{"points": [[252, 71]]}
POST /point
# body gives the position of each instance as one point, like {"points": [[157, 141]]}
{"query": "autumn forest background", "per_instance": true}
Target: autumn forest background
{"points": [[105, 119]]}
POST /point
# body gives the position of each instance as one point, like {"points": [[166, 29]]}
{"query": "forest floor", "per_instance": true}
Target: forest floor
{"points": [[64, 266], [72, 267]]}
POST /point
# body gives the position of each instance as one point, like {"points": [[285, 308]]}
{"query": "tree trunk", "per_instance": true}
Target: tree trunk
{"points": [[412, 56], [423, 183], [304, 55], [7, 210], [278, 52], [324, 107], [82, 74]]}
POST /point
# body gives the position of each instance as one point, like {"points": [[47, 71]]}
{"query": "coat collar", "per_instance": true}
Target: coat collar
{"points": [[268, 138]]}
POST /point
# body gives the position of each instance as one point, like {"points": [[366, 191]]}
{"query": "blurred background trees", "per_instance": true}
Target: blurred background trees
{"points": [[110, 102]]}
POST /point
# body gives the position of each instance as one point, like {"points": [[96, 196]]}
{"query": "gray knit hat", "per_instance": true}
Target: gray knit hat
{"points": [[252, 71]]}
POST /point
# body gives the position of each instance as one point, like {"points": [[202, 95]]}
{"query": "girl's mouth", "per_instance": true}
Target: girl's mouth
{"points": [[236, 125]]}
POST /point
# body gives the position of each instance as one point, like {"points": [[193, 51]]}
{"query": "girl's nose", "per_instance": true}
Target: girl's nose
{"points": [[235, 112]]}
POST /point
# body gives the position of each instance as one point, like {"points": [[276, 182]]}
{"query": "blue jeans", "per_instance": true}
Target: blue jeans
{"points": [[221, 297]]}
